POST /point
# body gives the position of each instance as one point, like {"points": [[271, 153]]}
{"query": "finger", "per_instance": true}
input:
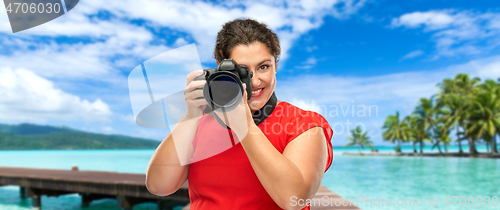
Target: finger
{"points": [[245, 95], [202, 102], [190, 77], [194, 85], [196, 94], [198, 102]]}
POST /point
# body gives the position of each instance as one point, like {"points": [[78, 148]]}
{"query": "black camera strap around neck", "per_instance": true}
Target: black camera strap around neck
{"points": [[260, 115]]}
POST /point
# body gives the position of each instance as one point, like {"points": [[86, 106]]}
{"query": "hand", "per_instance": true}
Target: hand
{"points": [[193, 95], [240, 118]]}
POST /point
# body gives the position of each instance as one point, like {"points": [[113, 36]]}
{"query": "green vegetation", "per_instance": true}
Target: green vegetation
{"points": [[29, 136], [396, 130], [468, 107], [359, 138]]}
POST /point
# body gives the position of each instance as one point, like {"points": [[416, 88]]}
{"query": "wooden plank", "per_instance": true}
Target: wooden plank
{"points": [[335, 201], [97, 182], [81, 176]]}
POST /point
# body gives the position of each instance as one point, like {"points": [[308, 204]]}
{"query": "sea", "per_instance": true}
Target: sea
{"points": [[369, 182]]}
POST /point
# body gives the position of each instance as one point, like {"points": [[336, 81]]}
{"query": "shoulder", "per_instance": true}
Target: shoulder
{"points": [[292, 112], [298, 120]]}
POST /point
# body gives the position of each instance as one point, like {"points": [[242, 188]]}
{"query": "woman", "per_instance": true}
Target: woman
{"points": [[281, 157]]}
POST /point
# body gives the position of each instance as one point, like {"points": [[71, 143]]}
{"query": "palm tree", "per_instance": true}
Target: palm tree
{"points": [[413, 136], [467, 89], [493, 89], [427, 112], [485, 115], [442, 134], [419, 133], [359, 138], [396, 130], [445, 138], [449, 97]]}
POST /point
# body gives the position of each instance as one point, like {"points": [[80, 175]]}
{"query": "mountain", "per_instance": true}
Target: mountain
{"points": [[30, 136], [28, 129]]}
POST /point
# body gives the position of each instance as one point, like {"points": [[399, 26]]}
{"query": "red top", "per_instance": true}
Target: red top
{"points": [[220, 175]]}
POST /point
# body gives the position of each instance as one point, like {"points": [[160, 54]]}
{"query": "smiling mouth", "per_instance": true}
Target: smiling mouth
{"points": [[257, 91]]}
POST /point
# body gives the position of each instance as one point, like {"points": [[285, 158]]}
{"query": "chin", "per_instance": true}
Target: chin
{"points": [[259, 103], [255, 105]]}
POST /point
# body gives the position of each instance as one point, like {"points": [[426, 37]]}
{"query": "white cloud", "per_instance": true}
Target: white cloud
{"points": [[27, 97], [349, 97], [79, 60], [61, 61], [308, 64], [115, 42], [491, 70], [433, 20], [413, 54], [306, 105], [456, 32], [487, 68], [201, 20], [128, 118], [311, 61]]}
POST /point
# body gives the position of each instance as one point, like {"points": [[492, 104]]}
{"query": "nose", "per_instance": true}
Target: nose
{"points": [[255, 80]]}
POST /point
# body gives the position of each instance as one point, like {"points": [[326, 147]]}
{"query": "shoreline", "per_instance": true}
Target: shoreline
{"points": [[450, 154]]}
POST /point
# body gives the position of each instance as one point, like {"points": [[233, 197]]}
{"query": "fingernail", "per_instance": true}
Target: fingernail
{"points": [[200, 71], [244, 86]]}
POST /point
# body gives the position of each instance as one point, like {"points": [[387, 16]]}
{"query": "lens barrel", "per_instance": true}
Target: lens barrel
{"points": [[223, 91]]}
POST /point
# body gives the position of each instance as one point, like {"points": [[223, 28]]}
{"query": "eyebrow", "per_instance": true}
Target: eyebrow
{"points": [[263, 62]]}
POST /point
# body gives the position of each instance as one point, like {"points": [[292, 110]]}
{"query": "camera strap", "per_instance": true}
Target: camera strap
{"points": [[260, 115]]}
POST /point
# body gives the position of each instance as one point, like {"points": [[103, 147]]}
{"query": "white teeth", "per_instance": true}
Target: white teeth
{"points": [[257, 91]]}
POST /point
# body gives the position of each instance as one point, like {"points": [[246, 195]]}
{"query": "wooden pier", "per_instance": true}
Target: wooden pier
{"points": [[336, 202], [128, 189]]}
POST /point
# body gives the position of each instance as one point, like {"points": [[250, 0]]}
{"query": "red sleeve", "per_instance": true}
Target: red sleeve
{"points": [[306, 120]]}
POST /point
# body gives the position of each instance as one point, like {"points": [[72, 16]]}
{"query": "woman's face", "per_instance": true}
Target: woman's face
{"points": [[259, 60]]}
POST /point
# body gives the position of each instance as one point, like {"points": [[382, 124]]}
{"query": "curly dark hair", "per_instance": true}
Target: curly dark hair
{"points": [[245, 31]]}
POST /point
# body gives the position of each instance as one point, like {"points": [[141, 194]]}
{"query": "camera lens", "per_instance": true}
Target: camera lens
{"points": [[225, 91]]}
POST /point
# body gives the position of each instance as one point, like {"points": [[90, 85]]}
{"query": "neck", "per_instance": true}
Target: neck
{"points": [[277, 102], [261, 114]]}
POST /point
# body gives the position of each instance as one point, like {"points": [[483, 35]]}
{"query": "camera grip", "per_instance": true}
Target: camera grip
{"points": [[201, 77]]}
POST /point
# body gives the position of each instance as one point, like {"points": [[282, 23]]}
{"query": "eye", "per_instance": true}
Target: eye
{"points": [[263, 67]]}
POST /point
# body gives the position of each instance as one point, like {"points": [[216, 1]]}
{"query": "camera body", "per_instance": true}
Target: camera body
{"points": [[224, 88]]}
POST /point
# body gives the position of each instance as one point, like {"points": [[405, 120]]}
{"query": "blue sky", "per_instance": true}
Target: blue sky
{"points": [[336, 55]]}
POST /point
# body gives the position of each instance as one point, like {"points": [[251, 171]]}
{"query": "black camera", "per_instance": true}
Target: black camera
{"points": [[224, 88]]}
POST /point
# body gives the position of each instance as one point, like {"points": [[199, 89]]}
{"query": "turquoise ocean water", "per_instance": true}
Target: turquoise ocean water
{"points": [[358, 178]]}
